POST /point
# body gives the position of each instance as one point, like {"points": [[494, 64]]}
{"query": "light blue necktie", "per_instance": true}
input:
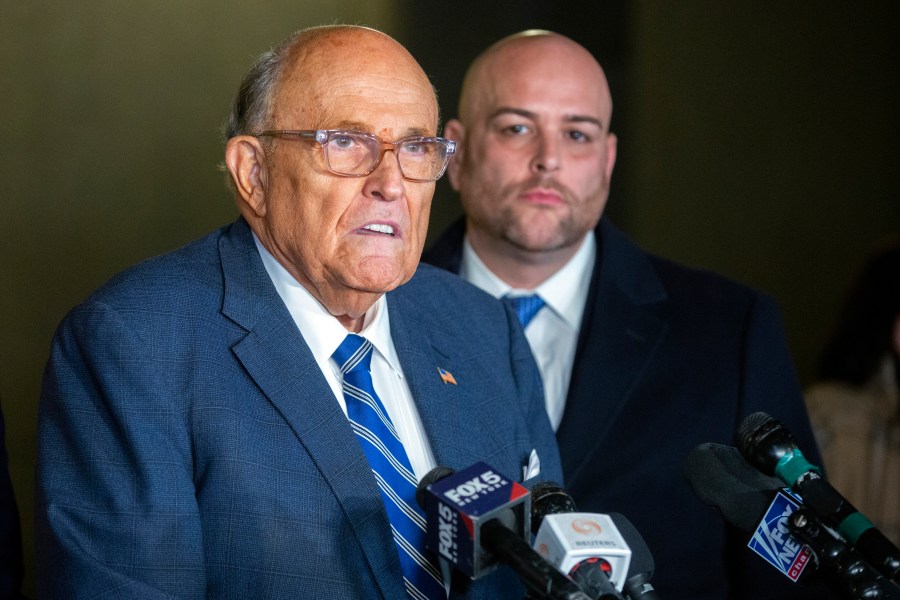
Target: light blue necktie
{"points": [[526, 307], [390, 464]]}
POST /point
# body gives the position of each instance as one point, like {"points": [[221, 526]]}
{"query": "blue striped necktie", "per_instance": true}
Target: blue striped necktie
{"points": [[526, 307], [390, 464]]}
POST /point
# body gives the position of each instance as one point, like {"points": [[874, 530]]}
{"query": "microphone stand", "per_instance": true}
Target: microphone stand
{"points": [[541, 580], [855, 578]]}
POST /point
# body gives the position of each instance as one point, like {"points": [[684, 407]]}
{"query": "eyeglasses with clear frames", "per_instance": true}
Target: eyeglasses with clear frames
{"points": [[357, 153]]}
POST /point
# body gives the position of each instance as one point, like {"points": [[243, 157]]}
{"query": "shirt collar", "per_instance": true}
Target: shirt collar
{"points": [[322, 332], [565, 292]]}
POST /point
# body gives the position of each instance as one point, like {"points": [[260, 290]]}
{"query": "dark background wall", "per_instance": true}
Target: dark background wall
{"points": [[756, 139]]}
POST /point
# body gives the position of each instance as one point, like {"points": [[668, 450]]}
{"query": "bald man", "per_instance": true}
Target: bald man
{"points": [[248, 416], [641, 359]]}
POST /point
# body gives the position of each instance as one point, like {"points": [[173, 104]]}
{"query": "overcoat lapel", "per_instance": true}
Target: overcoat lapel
{"points": [[280, 362], [623, 324]]}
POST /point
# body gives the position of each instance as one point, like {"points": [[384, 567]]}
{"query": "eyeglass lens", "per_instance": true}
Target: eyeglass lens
{"points": [[356, 154]]}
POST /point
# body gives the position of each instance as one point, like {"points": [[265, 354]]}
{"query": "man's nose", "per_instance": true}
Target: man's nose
{"points": [[386, 181], [546, 155]]}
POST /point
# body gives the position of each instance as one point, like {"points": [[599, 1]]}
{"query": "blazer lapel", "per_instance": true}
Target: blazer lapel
{"points": [[458, 423], [622, 326], [279, 361]]}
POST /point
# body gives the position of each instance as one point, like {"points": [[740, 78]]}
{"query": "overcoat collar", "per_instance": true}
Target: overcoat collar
{"points": [[623, 324]]}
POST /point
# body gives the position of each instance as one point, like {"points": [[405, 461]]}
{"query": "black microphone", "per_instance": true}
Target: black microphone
{"points": [[849, 571], [593, 559], [477, 518], [640, 572], [785, 533], [548, 498], [721, 477], [768, 445]]}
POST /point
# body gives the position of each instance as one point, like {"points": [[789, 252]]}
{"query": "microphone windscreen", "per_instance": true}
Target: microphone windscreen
{"points": [[436, 474], [751, 427], [548, 498], [721, 477], [641, 559]]}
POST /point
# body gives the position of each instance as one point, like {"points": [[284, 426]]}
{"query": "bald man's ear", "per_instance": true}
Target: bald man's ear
{"points": [[455, 131], [246, 161], [612, 143]]}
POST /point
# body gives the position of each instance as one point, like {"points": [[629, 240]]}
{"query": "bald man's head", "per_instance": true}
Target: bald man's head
{"points": [[308, 50], [528, 51], [535, 153], [311, 119]]}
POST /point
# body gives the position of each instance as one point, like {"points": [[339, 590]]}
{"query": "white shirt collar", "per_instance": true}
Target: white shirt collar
{"points": [[324, 333], [565, 292]]}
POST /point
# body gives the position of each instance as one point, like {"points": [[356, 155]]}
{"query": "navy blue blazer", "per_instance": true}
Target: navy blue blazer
{"points": [[668, 358], [190, 447]]}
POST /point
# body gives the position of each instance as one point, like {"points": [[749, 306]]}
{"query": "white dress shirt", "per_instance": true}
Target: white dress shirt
{"points": [[553, 332], [323, 333]]}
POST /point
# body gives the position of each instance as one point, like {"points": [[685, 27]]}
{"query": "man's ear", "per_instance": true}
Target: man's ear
{"points": [[246, 161], [454, 130], [612, 143]]}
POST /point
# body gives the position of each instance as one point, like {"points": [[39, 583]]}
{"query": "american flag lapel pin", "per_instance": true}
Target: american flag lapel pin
{"points": [[446, 376]]}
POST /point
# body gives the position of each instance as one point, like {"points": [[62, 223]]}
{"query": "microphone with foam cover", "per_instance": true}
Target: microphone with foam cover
{"points": [[750, 501], [637, 585], [767, 444], [784, 532]]}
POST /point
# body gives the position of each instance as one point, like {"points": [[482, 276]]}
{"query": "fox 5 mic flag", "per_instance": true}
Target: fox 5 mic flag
{"points": [[461, 503]]}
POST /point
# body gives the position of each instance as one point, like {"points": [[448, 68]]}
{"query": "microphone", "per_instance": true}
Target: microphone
{"points": [[722, 479], [750, 501], [856, 578], [477, 518], [553, 511], [601, 562], [768, 445], [637, 584]]}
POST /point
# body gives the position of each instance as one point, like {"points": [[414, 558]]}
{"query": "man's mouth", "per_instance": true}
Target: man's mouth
{"points": [[543, 196], [380, 228]]}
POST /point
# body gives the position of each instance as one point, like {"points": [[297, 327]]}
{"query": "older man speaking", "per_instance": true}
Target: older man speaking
{"points": [[248, 416]]}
